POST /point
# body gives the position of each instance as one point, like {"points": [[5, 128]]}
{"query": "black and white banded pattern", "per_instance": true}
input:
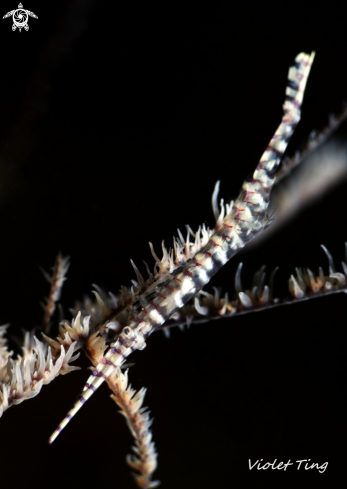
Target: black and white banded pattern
{"points": [[247, 218]]}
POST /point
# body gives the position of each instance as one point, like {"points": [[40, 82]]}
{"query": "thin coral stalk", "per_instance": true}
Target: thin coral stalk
{"points": [[302, 286], [315, 141], [138, 421], [56, 280], [23, 378], [145, 459]]}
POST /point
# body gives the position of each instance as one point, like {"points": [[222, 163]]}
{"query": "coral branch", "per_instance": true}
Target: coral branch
{"points": [[315, 141], [24, 377], [4, 353], [302, 286], [56, 280], [139, 422]]}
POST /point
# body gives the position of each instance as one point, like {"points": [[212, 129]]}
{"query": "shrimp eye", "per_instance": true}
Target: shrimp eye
{"points": [[127, 331]]}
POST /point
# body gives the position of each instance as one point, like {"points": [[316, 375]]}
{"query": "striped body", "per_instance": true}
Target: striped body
{"points": [[245, 221]]}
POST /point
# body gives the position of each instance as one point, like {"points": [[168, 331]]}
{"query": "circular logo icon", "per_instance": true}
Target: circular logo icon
{"points": [[20, 18]]}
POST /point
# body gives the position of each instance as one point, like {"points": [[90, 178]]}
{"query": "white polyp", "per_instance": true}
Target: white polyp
{"points": [[330, 259], [238, 284], [215, 207], [200, 309], [340, 277], [294, 288], [245, 300]]}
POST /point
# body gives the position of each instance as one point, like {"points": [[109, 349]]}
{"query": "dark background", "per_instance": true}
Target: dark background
{"points": [[115, 124]]}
